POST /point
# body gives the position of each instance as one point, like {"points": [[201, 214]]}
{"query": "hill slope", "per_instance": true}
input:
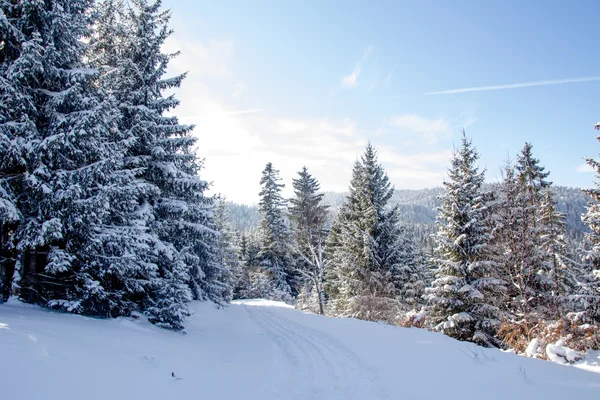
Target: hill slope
{"points": [[419, 207], [260, 350]]}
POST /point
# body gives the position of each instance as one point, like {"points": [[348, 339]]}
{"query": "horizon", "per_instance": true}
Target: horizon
{"points": [[406, 77]]}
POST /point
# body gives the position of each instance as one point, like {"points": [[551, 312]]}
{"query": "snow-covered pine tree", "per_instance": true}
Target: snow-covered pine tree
{"points": [[71, 154], [274, 252], [228, 253], [530, 275], [171, 200], [503, 246], [590, 295], [462, 296], [254, 281], [309, 216], [413, 274], [15, 125], [365, 246], [561, 269]]}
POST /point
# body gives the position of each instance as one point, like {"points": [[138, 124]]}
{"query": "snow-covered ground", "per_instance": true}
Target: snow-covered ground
{"points": [[259, 350]]}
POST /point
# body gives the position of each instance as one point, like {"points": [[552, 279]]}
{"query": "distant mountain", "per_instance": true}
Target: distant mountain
{"points": [[418, 207]]}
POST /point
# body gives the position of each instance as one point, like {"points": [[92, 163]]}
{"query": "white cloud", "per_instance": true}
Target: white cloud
{"points": [[419, 129], [516, 85], [213, 58], [241, 88], [351, 80], [237, 143], [585, 168]]}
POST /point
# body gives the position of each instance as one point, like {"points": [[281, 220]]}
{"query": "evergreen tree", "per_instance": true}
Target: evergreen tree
{"points": [[505, 243], [274, 252], [530, 275], [590, 295], [562, 271], [227, 252], [309, 216], [170, 196], [69, 156], [15, 126], [462, 295], [365, 247]]}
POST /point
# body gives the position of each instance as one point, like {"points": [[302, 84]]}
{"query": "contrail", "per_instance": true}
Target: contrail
{"points": [[516, 85]]}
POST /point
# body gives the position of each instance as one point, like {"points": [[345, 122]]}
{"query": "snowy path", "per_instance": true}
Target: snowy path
{"points": [[260, 350], [309, 364]]}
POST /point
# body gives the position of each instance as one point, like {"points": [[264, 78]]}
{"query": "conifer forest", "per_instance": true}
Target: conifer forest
{"points": [[105, 211]]}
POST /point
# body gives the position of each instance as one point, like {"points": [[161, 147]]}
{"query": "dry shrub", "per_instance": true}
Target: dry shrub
{"points": [[412, 319], [517, 334], [576, 336]]}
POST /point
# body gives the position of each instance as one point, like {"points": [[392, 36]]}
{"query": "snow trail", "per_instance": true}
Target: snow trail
{"points": [[311, 364]]}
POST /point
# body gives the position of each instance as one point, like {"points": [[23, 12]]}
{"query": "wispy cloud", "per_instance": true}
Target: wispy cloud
{"points": [[585, 168], [430, 131], [351, 80], [241, 88], [516, 85]]}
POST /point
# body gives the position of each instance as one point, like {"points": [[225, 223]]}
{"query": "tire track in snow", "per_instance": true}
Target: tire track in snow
{"points": [[314, 365]]}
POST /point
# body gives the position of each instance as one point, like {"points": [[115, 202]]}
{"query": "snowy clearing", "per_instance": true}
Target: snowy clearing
{"points": [[261, 350]]}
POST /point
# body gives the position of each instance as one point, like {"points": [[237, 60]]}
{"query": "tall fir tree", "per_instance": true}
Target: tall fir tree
{"points": [[228, 253], [530, 274], [16, 111], [274, 253], [309, 216], [365, 246], [561, 269], [462, 295], [170, 199], [73, 153], [590, 292]]}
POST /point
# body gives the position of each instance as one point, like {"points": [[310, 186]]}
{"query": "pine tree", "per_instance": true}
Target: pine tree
{"points": [[170, 196], [530, 275], [562, 271], [365, 247], [70, 154], [462, 295], [309, 217], [590, 296], [228, 254], [274, 252], [15, 125]]}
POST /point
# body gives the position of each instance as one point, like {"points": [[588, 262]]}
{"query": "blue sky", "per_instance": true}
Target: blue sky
{"points": [[311, 82]]}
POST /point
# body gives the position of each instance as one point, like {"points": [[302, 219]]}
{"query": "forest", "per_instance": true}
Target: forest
{"points": [[104, 212]]}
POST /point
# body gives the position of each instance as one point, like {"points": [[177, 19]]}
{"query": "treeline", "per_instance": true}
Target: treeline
{"points": [[102, 211], [501, 272]]}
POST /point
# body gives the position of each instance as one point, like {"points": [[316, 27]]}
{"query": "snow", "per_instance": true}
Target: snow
{"points": [[561, 354], [261, 350], [533, 348]]}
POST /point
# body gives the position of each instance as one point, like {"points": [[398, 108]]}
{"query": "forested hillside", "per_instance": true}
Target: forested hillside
{"points": [[419, 207]]}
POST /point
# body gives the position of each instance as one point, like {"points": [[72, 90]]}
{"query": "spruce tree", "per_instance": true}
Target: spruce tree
{"points": [[73, 153], [274, 252], [590, 293], [228, 253], [309, 216], [530, 276], [170, 195], [15, 126], [365, 247], [462, 294], [562, 271]]}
